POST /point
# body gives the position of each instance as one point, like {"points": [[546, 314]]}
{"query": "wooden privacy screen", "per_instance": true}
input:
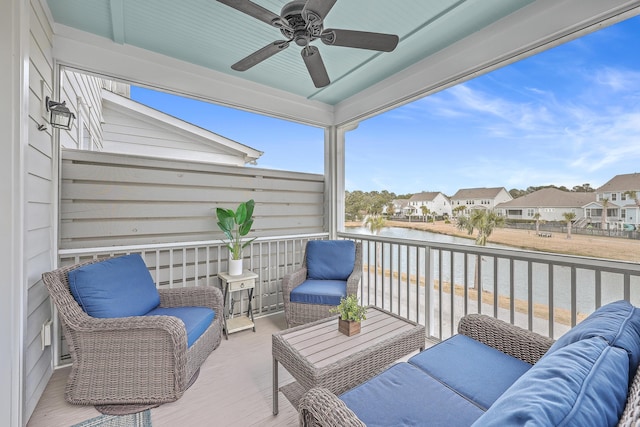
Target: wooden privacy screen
{"points": [[111, 199]]}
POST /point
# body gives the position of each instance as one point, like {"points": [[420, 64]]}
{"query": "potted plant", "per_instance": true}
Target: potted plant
{"points": [[351, 314], [235, 225]]}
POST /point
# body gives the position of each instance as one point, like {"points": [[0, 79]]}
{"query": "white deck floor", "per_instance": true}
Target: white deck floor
{"points": [[233, 389]]}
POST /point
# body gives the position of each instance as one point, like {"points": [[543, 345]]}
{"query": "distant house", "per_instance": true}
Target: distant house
{"points": [[620, 195], [399, 206], [108, 120], [133, 128], [479, 198], [550, 203], [437, 203]]}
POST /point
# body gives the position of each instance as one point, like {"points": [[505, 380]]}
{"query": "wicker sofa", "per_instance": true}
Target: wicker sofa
{"points": [[121, 358], [496, 374]]}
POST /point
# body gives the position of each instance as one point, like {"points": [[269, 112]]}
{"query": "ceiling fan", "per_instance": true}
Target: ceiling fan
{"points": [[301, 22]]}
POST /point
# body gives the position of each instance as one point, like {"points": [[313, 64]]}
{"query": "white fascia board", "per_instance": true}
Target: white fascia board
{"points": [[206, 136], [134, 65], [592, 205], [534, 28]]}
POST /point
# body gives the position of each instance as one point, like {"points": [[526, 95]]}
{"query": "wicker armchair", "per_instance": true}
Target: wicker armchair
{"points": [[300, 313], [132, 360]]}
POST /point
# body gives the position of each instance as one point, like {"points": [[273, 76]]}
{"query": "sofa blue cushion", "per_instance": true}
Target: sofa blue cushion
{"points": [[196, 319], [475, 370], [313, 291], [117, 287], [582, 384], [330, 259], [618, 323], [404, 395]]}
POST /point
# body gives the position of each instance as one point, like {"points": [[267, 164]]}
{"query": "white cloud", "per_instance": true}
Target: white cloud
{"points": [[618, 80], [589, 135], [565, 117], [608, 141]]}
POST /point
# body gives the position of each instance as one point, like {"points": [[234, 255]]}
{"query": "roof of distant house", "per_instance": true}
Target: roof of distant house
{"points": [[478, 193], [624, 182], [550, 197], [424, 196]]}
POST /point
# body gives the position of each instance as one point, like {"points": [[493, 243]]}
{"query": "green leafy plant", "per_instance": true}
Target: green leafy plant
{"points": [[235, 225], [349, 309]]}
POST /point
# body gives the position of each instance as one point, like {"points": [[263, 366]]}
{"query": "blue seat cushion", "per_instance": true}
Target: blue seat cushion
{"points": [[582, 384], [618, 323], [475, 370], [330, 259], [404, 395], [117, 287], [327, 292], [196, 319]]}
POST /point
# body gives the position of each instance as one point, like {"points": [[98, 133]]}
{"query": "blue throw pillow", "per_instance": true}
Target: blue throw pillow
{"points": [[581, 384], [618, 323], [117, 287], [330, 259]]}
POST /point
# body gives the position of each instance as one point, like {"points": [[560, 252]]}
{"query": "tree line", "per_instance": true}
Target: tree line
{"points": [[358, 203]]}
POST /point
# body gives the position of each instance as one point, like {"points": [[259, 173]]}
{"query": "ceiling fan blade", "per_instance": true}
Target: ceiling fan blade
{"points": [[260, 55], [315, 10], [256, 11], [360, 39], [315, 66]]}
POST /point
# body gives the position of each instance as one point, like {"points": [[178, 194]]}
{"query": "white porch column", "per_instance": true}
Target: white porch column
{"points": [[14, 110], [334, 143], [331, 167]]}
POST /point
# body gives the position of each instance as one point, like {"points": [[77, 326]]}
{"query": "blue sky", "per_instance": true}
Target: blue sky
{"points": [[567, 116]]}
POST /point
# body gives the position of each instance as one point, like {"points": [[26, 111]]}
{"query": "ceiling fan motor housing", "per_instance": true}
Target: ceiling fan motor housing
{"points": [[302, 30]]}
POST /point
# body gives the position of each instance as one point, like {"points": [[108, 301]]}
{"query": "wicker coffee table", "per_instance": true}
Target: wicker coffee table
{"points": [[316, 354]]}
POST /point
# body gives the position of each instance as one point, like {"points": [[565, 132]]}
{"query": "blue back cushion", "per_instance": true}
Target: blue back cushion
{"points": [[327, 292], [196, 319], [475, 370], [581, 384], [117, 287], [330, 259], [618, 323], [403, 395]]}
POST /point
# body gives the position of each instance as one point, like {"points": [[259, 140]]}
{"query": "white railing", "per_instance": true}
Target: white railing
{"points": [[542, 292], [183, 264], [198, 263]]}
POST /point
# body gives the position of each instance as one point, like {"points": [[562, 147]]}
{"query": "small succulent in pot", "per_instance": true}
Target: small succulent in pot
{"points": [[351, 314], [349, 309]]}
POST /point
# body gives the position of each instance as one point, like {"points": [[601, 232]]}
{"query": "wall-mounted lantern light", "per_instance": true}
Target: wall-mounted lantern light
{"points": [[61, 116]]}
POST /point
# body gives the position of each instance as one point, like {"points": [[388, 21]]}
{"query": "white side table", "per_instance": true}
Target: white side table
{"points": [[245, 281]]}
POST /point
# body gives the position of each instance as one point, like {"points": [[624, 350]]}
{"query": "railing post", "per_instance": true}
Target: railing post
{"points": [[428, 289]]}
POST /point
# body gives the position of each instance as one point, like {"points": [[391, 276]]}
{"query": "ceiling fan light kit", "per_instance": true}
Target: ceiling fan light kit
{"points": [[302, 22]]}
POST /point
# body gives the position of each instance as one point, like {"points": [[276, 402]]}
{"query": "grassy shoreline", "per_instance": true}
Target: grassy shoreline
{"points": [[580, 245]]}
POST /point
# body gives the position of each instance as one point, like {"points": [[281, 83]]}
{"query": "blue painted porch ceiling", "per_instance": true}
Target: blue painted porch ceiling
{"points": [[212, 35]]}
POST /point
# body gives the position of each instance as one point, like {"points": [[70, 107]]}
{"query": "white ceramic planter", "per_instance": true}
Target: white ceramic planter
{"points": [[235, 267]]}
